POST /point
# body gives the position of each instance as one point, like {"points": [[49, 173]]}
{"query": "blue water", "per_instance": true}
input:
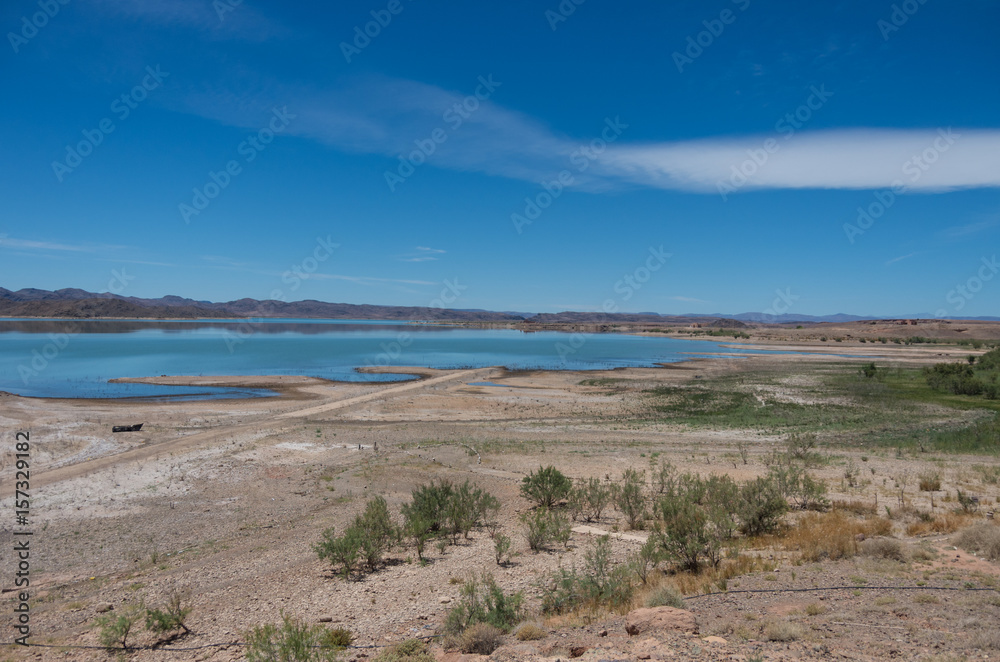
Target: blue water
{"points": [[76, 359]]}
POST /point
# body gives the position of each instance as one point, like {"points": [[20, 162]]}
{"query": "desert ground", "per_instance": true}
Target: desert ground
{"points": [[223, 500]]}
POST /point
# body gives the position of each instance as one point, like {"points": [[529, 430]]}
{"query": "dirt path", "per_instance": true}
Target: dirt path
{"points": [[409, 386], [188, 442]]}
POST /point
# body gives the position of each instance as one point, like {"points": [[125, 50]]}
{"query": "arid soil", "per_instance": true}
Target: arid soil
{"points": [[224, 499]]}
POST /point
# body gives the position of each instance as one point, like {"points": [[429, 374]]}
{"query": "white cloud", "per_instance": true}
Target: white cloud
{"points": [[27, 244], [390, 116], [899, 259]]}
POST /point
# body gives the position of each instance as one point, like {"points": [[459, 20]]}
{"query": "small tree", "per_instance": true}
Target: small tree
{"points": [[501, 547], [546, 487], [171, 617], [760, 506], [116, 627]]}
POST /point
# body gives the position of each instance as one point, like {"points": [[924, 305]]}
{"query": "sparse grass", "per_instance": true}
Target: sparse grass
{"points": [[411, 650], [815, 609], [926, 599], [930, 482], [885, 600]]}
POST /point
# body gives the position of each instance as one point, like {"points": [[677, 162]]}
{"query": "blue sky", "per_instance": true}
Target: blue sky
{"points": [[533, 156]]}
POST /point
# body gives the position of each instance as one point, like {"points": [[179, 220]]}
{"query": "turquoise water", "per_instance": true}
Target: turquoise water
{"points": [[76, 359]]}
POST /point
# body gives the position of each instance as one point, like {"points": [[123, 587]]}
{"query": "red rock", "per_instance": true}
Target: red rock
{"points": [[653, 619]]}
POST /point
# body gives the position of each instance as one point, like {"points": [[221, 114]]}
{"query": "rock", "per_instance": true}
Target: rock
{"points": [[577, 651], [603, 633], [715, 640], [444, 600], [104, 607], [326, 619], [652, 619]]}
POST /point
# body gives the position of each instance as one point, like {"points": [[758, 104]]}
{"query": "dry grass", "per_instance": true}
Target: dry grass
{"points": [[946, 523], [815, 609], [716, 579], [530, 632], [664, 596], [782, 631], [883, 548], [855, 507], [983, 539], [930, 482], [831, 535], [480, 639]]}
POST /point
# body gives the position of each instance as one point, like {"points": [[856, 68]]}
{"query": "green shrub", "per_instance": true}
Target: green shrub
{"points": [[546, 487], [760, 507], [364, 543], [590, 497], [600, 584], [116, 626], [292, 641], [643, 562], [171, 617], [483, 601], [501, 548], [629, 498], [684, 533], [982, 539], [543, 527]]}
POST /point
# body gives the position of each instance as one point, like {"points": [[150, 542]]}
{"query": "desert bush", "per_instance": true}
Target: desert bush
{"points": [[480, 639], [411, 650], [430, 504], [530, 632], [292, 641], [684, 533], [883, 548], [930, 482], [115, 627], [444, 508], [797, 486], [501, 548], [663, 477], [543, 527], [629, 498], [644, 562], [599, 585], [364, 543], [590, 497], [483, 601], [665, 596], [801, 446], [983, 539], [546, 487], [782, 631], [170, 617], [815, 609], [760, 506]]}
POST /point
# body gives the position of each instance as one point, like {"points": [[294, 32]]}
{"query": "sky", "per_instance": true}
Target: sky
{"points": [[711, 156]]}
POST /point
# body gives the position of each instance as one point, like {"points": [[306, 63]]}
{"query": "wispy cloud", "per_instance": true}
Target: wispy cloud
{"points": [[28, 244], [426, 249], [386, 116], [423, 254], [969, 230], [899, 259]]}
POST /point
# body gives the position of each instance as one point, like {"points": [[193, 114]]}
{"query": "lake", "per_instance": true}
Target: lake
{"points": [[75, 359]]}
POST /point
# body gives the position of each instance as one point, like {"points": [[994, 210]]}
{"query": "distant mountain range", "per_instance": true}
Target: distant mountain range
{"points": [[76, 303]]}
